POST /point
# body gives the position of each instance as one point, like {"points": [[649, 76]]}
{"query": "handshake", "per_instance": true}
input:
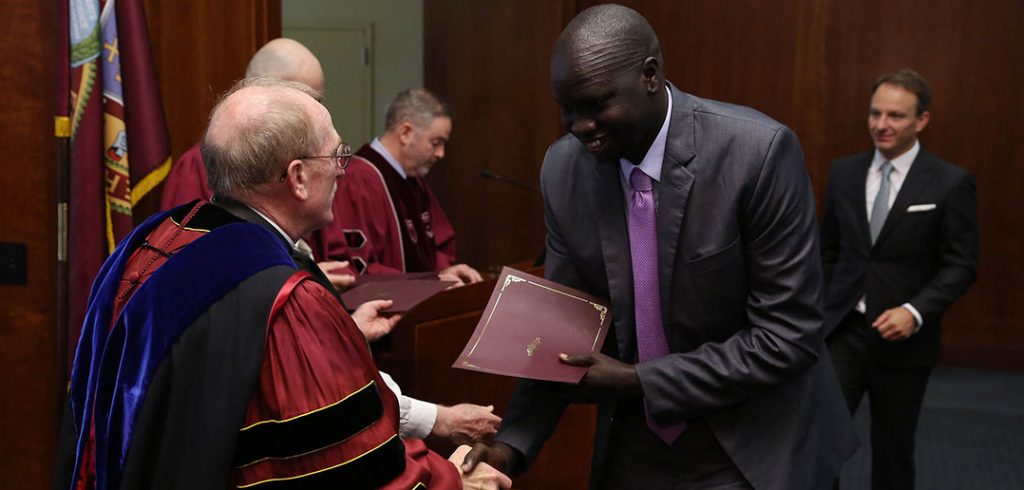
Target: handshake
{"points": [[477, 474]]}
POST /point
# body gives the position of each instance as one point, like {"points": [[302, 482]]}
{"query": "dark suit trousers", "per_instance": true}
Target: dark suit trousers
{"points": [[638, 459], [895, 394]]}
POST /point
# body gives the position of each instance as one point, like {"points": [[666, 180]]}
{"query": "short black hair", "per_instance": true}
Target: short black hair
{"points": [[913, 82]]}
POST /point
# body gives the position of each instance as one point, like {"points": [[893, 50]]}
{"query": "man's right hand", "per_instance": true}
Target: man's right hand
{"points": [[372, 322], [482, 477], [499, 455], [466, 423]]}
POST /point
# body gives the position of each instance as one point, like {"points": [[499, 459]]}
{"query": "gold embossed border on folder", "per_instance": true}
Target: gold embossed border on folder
{"points": [[594, 332]]}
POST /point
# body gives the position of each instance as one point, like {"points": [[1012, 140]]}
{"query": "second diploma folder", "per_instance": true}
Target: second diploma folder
{"points": [[528, 322]]}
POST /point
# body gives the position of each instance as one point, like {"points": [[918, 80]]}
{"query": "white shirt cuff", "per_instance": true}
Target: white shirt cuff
{"points": [[415, 417], [917, 316]]}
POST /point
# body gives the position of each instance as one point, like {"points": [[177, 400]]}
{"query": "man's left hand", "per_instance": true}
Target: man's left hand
{"points": [[337, 273], [372, 322], [895, 324], [607, 378], [462, 273]]}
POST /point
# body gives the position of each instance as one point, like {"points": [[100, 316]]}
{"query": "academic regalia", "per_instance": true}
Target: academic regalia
{"points": [[187, 180], [384, 223], [207, 360]]}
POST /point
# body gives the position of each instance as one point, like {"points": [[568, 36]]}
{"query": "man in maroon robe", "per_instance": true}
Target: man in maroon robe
{"points": [[386, 218], [236, 364], [283, 59], [287, 59]]}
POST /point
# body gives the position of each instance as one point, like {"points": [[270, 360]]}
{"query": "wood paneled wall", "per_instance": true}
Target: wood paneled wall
{"points": [[807, 63], [490, 60], [30, 392], [200, 48]]}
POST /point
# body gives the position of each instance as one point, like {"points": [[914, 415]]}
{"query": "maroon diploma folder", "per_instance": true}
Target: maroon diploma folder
{"points": [[528, 322], [406, 293], [404, 276]]}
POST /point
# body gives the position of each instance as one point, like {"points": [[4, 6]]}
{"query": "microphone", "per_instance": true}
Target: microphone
{"points": [[487, 174]]}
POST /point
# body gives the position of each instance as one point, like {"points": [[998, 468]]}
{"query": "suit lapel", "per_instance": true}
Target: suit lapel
{"points": [[673, 193], [610, 208], [859, 183], [917, 180]]}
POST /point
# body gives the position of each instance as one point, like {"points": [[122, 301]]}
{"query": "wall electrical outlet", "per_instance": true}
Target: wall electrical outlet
{"points": [[13, 264]]}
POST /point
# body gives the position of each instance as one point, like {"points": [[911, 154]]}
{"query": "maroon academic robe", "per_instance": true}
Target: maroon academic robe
{"points": [[316, 360], [384, 223], [187, 180], [317, 386]]}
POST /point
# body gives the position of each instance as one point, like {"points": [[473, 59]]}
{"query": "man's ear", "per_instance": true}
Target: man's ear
{"points": [[405, 132], [297, 179], [922, 120], [651, 72]]}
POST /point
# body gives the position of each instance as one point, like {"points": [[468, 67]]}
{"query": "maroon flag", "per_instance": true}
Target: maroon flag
{"points": [[119, 145]]}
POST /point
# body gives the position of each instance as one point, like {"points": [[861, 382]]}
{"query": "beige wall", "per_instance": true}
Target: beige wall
{"points": [[396, 54]]}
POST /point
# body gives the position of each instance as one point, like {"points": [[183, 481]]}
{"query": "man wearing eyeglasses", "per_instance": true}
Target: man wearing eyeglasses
{"points": [[210, 356], [283, 59], [287, 59], [387, 220]]}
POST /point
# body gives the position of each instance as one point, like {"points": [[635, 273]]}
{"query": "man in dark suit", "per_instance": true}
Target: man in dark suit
{"points": [[899, 245], [696, 218]]}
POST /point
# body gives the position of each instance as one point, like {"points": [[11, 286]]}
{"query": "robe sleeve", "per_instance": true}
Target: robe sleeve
{"points": [[321, 414]]}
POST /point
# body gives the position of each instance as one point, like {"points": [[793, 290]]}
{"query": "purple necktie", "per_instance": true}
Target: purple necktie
{"points": [[643, 247]]}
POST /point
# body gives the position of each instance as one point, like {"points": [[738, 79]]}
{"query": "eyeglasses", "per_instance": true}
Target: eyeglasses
{"points": [[342, 156]]}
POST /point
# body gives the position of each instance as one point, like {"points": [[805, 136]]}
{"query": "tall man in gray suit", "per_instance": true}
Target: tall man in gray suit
{"points": [[696, 218], [899, 245]]}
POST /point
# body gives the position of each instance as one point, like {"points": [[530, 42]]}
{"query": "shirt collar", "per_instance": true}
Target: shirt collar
{"points": [[901, 163], [379, 147], [651, 164], [295, 243]]}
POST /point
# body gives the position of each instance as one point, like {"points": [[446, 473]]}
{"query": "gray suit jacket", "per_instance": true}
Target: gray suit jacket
{"points": [[740, 294]]}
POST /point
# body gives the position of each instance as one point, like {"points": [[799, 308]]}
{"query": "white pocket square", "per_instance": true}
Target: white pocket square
{"points": [[917, 208]]}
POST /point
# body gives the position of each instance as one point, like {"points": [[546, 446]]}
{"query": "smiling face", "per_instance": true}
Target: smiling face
{"points": [[614, 111], [893, 120]]}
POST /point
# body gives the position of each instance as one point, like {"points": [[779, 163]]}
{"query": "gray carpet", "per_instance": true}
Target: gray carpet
{"points": [[971, 434]]}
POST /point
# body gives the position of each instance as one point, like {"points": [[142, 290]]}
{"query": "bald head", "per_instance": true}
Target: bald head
{"points": [[287, 59], [603, 42], [258, 127], [606, 78]]}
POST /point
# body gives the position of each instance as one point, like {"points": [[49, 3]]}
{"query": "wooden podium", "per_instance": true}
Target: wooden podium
{"points": [[419, 354]]}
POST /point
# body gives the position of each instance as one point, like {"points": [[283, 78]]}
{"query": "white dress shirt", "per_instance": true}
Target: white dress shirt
{"points": [[900, 168], [652, 162], [416, 417]]}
